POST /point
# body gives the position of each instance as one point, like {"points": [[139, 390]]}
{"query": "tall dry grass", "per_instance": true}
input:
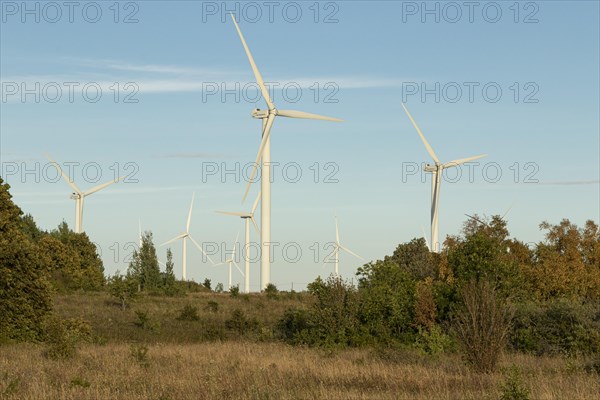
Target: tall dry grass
{"points": [[244, 370]]}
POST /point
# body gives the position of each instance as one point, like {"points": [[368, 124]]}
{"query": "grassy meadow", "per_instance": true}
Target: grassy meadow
{"points": [[163, 357]]}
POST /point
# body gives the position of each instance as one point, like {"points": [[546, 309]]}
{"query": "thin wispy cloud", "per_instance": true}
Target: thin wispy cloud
{"points": [[569, 183], [193, 155]]}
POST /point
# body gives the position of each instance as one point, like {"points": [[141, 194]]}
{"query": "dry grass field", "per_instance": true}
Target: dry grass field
{"points": [[252, 370], [173, 359]]}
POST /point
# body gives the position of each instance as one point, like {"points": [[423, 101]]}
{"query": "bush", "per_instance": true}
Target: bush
{"points": [[482, 325], [333, 317], [212, 306], [513, 387], [294, 326], [139, 352], [433, 341], [63, 335], [234, 291], [557, 327], [143, 321], [189, 313], [206, 284], [241, 324], [271, 291]]}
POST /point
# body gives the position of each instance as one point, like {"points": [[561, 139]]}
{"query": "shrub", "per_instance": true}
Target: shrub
{"points": [[334, 315], [240, 323], [234, 291], [219, 288], [62, 336], [433, 341], [188, 313], [139, 352], [143, 321], [212, 306], [271, 291], [513, 387], [206, 284], [556, 327], [482, 325], [294, 326]]}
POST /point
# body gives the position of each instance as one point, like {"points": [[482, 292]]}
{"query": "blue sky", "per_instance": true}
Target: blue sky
{"points": [[372, 57]]}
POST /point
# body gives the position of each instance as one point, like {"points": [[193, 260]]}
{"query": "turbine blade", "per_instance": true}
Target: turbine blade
{"points": [[460, 161], [234, 245], [65, 177], [350, 251], [238, 267], [326, 259], [257, 74], [265, 137], [425, 142], [100, 187], [187, 225], [174, 239], [201, 250], [255, 224], [507, 211], [426, 241], [477, 219], [337, 232], [237, 214], [305, 115], [255, 203]]}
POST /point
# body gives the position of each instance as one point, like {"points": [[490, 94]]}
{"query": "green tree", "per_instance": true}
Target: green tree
{"points": [[89, 274], [144, 265], [24, 285], [169, 276], [567, 262], [387, 297], [415, 258], [123, 287]]}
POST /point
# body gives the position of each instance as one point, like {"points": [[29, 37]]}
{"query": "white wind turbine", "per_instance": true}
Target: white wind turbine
{"points": [[264, 153], [185, 235], [80, 196], [436, 178], [231, 260], [335, 254], [247, 217]]}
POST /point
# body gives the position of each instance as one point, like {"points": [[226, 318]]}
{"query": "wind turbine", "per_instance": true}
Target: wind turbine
{"points": [[247, 217], [183, 237], [264, 152], [336, 250], [436, 178], [80, 196], [231, 260]]}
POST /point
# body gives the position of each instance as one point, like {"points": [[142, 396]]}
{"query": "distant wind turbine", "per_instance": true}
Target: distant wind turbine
{"points": [[231, 260], [183, 237], [247, 217], [336, 250], [80, 196], [264, 153], [436, 178]]}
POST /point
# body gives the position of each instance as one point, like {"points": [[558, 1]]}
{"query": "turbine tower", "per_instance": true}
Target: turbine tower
{"points": [[264, 153], [247, 217], [80, 196], [336, 250], [183, 237], [436, 178], [231, 260]]}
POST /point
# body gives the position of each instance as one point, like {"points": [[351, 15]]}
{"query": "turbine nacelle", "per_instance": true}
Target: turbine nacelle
{"points": [[261, 114], [430, 167], [75, 196]]}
